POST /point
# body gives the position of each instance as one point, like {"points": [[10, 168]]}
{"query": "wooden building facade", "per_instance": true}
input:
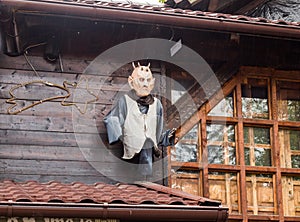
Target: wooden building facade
{"points": [[63, 65]]}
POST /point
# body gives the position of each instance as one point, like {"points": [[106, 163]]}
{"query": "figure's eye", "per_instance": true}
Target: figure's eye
{"points": [[149, 80], [147, 70], [142, 68], [141, 79]]}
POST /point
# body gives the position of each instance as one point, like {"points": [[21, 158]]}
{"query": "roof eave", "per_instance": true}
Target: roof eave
{"points": [[184, 20], [115, 211]]}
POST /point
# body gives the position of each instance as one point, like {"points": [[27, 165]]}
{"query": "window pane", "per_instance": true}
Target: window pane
{"points": [[232, 155], [186, 150], [262, 157], [289, 148], [192, 135], [255, 99], [260, 194], [288, 100], [261, 135], [215, 154], [218, 132], [221, 144], [295, 161], [257, 146], [224, 188], [223, 108], [247, 156], [258, 135], [215, 132], [295, 140]]}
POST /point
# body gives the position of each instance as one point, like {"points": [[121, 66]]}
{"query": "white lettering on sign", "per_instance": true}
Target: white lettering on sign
{"points": [[46, 219]]}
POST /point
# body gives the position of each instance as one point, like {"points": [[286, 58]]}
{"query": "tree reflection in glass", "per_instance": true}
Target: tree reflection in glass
{"points": [[257, 146], [221, 144], [255, 99], [224, 107], [288, 97], [186, 150], [290, 148]]}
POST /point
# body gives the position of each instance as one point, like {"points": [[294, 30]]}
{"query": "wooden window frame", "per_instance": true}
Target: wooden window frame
{"points": [[201, 117]]}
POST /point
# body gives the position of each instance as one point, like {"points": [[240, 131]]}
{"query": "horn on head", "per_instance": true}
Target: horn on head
{"points": [[133, 65], [148, 65], [139, 64]]}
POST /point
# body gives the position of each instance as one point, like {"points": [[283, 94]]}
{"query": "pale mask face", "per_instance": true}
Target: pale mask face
{"points": [[141, 80]]}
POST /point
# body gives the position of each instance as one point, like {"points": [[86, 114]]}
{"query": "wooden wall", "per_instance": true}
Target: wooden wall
{"points": [[54, 142]]}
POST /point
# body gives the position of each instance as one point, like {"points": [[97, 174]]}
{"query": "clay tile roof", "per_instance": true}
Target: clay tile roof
{"points": [[144, 6], [163, 8], [77, 192]]}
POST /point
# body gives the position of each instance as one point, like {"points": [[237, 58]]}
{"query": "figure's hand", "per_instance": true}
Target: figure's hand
{"points": [[172, 134]]}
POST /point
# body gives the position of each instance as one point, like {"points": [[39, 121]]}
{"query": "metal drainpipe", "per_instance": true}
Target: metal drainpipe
{"points": [[16, 34], [117, 211], [155, 17], [12, 41]]}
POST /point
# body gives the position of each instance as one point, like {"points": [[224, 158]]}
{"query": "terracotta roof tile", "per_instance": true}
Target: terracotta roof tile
{"points": [[77, 192], [160, 8]]}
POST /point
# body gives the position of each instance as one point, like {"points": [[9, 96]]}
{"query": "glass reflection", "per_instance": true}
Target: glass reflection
{"points": [[221, 144], [186, 150], [255, 99]]}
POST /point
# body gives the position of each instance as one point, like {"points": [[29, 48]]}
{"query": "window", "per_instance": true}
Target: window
{"points": [[257, 146], [221, 144], [224, 107], [290, 148], [186, 150], [255, 99], [244, 149], [289, 100]]}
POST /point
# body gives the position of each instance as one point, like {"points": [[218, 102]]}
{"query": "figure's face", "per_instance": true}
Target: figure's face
{"points": [[141, 80]]}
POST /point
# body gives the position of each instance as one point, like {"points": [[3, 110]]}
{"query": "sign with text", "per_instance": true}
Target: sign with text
{"points": [[47, 219]]}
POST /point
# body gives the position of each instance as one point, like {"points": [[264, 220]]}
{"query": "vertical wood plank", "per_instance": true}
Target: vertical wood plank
{"points": [[240, 147], [228, 190], [278, 198], [254, 194], [203, 135], [252, 145]]}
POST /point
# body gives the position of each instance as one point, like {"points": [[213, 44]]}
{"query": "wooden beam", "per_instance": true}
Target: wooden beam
{"points": [[240, 151]]}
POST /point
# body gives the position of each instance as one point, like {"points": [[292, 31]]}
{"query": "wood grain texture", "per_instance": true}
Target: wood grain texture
{"points": [[55, 142]]}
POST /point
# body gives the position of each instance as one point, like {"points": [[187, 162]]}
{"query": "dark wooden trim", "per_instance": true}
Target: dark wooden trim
{"points": [[270, 72], [203, 146], [289, 125], [219, 167], [293, 219], [241, 158], [291, 171], [187, 165]]}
